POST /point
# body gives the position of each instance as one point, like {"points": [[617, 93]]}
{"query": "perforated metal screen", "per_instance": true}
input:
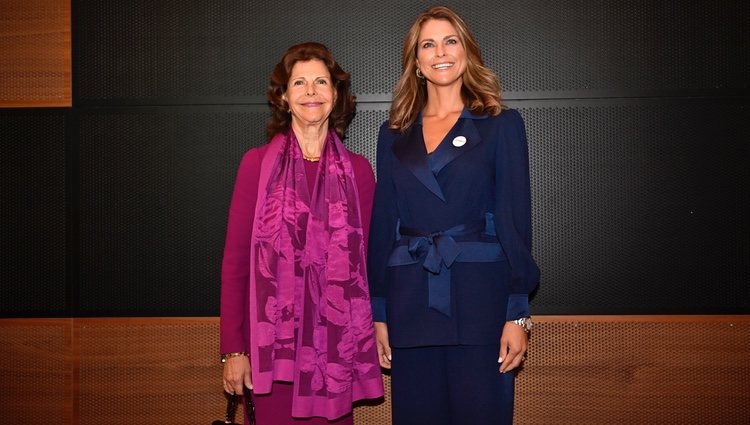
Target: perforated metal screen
{"points": [[638, 189], [155, 191], [601, 48], [32, 213], [363, 135], [171, 51], [637, 206]]}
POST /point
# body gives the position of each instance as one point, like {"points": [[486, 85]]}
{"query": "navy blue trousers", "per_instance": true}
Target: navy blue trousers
{"points": [[450, 385]]}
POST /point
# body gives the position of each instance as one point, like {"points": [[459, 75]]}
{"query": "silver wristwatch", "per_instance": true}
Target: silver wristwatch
{"points": [[525, 323]]}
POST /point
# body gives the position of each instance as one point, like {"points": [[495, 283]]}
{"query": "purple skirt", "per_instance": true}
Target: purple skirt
{"points": [[275, 408]]}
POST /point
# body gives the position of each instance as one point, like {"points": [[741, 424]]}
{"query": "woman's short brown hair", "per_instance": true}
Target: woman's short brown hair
{"points": [[344, 107]]}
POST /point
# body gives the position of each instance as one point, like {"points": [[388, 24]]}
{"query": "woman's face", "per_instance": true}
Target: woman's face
{"points": [[440, 55], [310, 93]]}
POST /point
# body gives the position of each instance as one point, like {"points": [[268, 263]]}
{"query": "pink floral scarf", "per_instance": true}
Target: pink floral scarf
{"points": [[309, 303]]}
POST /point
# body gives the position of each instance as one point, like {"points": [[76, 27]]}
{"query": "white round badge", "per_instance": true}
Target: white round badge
{"points": [[459, 141]]}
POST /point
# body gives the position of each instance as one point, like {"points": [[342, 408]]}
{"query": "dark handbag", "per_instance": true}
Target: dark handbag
{"points": [[232, 402]]}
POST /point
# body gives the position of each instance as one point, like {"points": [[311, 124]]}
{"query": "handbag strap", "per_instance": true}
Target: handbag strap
{"points": [[232, 406]]}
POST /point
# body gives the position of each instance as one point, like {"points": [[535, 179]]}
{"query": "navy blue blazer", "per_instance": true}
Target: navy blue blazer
{"points": [[477, 176]]}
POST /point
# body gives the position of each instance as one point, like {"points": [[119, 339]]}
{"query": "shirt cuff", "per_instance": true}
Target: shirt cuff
{"points": [[518, 307], [378, 309]]}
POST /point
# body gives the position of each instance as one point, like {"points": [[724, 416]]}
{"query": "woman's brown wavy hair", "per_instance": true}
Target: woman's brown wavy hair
{"points": [[344, 107], [481, 88]]}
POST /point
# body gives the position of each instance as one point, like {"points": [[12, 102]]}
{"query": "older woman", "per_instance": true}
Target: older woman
{"points": [[450, 255], [296, 324]]}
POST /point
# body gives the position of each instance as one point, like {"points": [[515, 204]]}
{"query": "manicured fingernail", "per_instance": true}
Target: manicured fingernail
{"points": [[499, 359], [389, 357]]}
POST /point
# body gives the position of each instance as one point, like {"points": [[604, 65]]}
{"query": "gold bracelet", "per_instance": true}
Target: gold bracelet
{"points": [[226, 356]]}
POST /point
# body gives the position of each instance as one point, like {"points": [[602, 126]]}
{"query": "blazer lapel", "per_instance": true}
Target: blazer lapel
{"points": [[410, 151], [463, 137]]}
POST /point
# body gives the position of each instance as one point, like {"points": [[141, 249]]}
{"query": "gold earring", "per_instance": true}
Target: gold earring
{"points": [[419, 74]]}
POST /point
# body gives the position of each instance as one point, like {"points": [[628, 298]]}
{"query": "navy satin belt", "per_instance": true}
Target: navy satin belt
{"points": [[462, 243]]}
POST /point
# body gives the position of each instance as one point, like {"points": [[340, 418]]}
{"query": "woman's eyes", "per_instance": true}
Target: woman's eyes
{"points": [[430, 44], [321, 81]]}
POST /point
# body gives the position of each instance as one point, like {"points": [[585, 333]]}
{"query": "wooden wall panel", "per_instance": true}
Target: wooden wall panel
{"points": [[637, 370], [580, 370], [36, 371], [134, 370], [35, 53]]}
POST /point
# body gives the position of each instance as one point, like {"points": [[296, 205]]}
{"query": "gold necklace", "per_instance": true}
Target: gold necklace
{"points": [[311, 158]]}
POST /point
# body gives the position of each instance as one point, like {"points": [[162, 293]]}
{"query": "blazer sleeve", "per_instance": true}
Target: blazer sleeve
{"points": [[513, 211], [383, 226], [235, 269]]}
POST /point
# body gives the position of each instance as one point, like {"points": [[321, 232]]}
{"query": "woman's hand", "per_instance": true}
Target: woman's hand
{"points": [[513, 345], [237, 372], [384, 348]]}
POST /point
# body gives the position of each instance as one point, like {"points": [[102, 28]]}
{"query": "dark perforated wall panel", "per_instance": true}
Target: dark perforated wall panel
{"points": [[639, 205], [624, 48], [363, 133], [636, 113], [172, 51], [155, 191], [32, 212]]}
